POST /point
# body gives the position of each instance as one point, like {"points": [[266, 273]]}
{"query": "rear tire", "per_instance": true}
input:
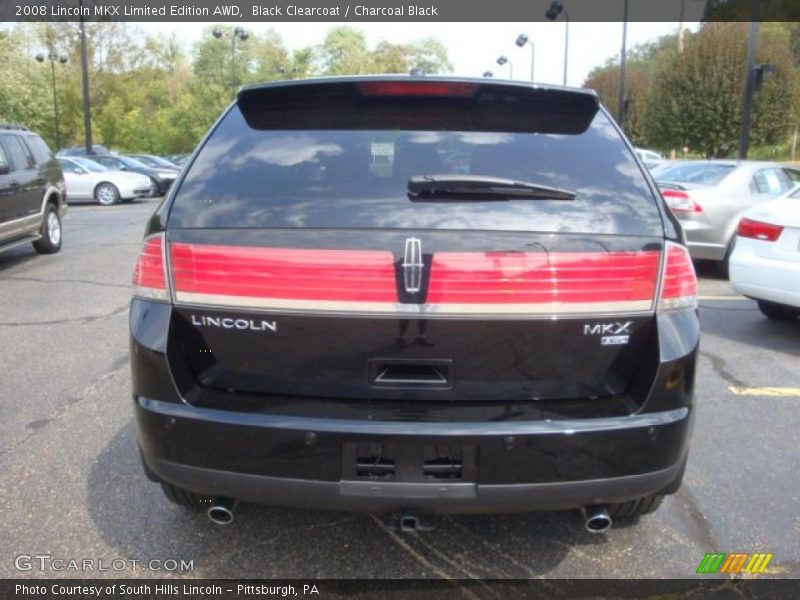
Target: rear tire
{"points": [[106, 194], [183, 497], [50, 242], [778, 312], [635, 508]]}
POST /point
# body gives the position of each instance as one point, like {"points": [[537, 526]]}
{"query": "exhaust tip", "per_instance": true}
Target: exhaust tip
{"points": [[596, 519], [221, 511]]}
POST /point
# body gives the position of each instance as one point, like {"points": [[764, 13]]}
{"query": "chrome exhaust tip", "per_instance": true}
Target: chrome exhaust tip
{"points": [[596, 519], [221, 511]]}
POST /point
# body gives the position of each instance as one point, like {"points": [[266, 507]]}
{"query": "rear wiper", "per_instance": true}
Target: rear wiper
{"points": [[480, 187]]}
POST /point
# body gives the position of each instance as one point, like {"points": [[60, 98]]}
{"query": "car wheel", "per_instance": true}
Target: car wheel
{"points": [[778, 312], [635, 508], [153, 188], [106, 194], [50, 242], [183, 497]]}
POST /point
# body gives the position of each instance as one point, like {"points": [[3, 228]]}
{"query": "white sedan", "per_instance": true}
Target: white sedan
{"points": [[89, 181], [765, 264]]}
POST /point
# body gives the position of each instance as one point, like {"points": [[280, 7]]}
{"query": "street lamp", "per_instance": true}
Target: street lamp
{"points": [[522, 39], [556, 8], [53, 57], [622, 58], [503, 59], [238, 34]]}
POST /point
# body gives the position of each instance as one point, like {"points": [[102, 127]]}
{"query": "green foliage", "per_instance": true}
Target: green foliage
{"points": [[148, 94], [693, 97]]}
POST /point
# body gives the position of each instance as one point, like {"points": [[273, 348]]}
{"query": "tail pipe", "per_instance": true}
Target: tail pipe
{"points": [[221, 511], [595, 518]]}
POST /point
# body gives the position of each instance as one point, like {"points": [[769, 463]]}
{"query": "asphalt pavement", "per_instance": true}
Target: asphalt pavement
{"points": [[72, 488]]}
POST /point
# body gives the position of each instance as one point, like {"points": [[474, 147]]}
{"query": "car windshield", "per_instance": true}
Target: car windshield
{"points": [[157, 161], [131, 163], [705, 173], [90, 165], [146, 160]]}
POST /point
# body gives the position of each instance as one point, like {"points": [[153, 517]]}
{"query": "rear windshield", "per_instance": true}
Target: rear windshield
{"points": [[252, 173], [707, 174]]}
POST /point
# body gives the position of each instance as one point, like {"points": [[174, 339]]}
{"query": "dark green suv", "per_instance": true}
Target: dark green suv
{"points": [[32, 191]]}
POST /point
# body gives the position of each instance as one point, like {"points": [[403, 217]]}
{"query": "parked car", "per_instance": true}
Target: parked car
{"points": [[160, 179], [765, 264], [81, 151], [178, 159], [156, 162], [709, 197], [312, 328], [650, 158], [90, 181], [32, 192]]}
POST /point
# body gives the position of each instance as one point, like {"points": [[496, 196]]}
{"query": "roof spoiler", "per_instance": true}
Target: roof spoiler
{"points": [[418, 103]]}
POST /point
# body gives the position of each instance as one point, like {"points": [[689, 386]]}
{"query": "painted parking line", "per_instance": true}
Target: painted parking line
{"points": [[777, 392]]}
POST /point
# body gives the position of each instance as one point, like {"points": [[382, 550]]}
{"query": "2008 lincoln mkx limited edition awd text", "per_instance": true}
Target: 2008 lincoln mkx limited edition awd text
{"points": [[415, 295]]}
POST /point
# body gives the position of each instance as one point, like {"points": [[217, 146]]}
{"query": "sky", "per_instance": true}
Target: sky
{"points": [[474, 47]]}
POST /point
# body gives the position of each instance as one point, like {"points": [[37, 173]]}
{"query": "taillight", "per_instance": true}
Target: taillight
{"points": [[149, 274], [759, 230], [417, 88], [680, 201], [679, 283]]}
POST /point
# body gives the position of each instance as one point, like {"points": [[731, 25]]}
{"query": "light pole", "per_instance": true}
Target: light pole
{"points": [[749, 80], [556, 8], [501, 60], [87, 117], [238, 34], [621, 83], [523, 39], [53, 57]]}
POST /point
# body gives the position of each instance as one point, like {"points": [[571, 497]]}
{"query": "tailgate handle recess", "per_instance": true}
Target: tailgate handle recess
{"points": [[436, 373]]}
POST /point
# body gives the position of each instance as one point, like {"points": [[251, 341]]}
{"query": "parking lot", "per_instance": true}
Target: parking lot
{"points": [[71, 485]]}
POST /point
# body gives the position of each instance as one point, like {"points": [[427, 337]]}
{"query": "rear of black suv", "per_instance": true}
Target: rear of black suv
{"points": [[415, 294]]}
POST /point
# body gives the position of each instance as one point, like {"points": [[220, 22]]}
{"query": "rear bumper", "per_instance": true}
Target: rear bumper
{"points": [[769, 279], [706, 251], [520, 466], [387, 497]]}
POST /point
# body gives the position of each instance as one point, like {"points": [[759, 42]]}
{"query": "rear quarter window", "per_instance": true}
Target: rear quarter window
{"points": [[253, 175], [39, 149]]}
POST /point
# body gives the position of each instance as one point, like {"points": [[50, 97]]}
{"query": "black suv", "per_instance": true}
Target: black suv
{"points": [[330, 311], [32, 191]]}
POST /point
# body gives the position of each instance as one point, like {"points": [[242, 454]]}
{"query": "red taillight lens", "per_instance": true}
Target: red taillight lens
{"points": [[149, 275], [758, 230], [417, 88], [679, 284], [253, 276], [680, 201]]}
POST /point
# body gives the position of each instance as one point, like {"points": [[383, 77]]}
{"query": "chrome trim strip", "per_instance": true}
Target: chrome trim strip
{"points": [[415, 428], [19, 222], [397, 308]]}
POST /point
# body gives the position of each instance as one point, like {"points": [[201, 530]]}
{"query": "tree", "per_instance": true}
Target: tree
{"points": [[344, 52], [697, 97], [638, 87]]}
